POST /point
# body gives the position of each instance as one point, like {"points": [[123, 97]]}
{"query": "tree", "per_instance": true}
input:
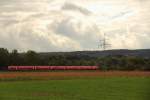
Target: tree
{"points": [[4, 58], [15, 58], [32, 58]]}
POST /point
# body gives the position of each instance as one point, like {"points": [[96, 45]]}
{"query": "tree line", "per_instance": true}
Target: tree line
{"points": [[30, 57]]}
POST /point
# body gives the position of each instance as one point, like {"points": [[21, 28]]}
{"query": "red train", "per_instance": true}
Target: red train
{"points": [[53, 68]]}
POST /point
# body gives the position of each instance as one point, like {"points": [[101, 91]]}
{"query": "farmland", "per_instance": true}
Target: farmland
{"points": [[75, 85]]}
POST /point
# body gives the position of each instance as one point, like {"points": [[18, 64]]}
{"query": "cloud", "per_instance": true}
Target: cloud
{"points": [[25, 37], [54, 25], [73, 7], [77, 31], [121, 14]]}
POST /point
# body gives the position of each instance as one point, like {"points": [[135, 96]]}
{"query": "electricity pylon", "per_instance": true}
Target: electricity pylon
{"points": [[103, 44]]}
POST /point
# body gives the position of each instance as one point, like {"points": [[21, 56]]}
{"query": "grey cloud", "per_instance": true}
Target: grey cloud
{"points": [[18, 8], [22, 5], [25, 36], [73, 7], [8, 2], [36, 42], [143, 1], [121, 14], [58, 31], [26, 39], [65, 27], [141, 29], [6, 23], [7, 20], [32, 16], [133, 38], [87, 37]]}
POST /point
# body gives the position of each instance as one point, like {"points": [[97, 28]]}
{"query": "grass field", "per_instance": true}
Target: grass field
{"points": [[90, 88]]}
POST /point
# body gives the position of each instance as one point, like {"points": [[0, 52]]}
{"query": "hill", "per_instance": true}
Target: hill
{"points": [[144, 53]]}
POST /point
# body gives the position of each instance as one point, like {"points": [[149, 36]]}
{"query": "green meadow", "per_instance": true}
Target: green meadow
{"points": [[108, 88]]}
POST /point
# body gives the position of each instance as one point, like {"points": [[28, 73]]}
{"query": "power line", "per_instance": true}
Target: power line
{"points": [[103, 44]]}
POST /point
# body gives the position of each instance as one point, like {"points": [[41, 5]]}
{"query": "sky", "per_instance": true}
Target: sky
{"points": [[74, 25]]}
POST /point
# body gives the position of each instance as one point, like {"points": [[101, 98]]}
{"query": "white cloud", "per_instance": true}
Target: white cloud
{"points": [[73, 7], [54, 25]]}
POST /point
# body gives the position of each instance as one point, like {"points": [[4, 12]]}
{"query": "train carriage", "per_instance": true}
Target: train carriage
{"points": [[52, 68]]}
